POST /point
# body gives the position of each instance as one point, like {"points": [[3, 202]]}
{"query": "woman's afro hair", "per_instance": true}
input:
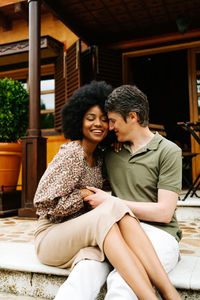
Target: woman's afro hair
{"points": [[94, 93]]}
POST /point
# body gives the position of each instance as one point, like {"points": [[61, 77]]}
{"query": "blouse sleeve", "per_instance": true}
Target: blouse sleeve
{"points": [[58, 191]]}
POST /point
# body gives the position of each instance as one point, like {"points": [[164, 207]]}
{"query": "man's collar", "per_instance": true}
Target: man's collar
{"points": [[155, 141], [152, 145]]}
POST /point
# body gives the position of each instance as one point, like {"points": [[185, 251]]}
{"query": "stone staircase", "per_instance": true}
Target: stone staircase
{"points": [[22, 274]]}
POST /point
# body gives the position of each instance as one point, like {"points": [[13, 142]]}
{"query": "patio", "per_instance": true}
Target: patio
{"points": [[20, 230], [22, 274]]}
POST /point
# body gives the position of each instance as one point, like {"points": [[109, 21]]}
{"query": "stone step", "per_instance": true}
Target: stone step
{"points": [[22, 274], [189, 202], [8, 296]]}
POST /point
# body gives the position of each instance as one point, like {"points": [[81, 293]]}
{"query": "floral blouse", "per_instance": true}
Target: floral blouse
{"points": [[58, 195]]}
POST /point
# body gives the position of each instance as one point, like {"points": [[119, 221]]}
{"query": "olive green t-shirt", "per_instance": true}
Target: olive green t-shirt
{"points": [[138, 176]]}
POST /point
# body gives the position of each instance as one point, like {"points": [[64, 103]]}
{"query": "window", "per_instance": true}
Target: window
{"points": [[47, 102]]}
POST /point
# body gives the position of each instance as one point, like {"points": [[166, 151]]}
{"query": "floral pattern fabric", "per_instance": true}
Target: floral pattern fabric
{"points": [[58, 195]]}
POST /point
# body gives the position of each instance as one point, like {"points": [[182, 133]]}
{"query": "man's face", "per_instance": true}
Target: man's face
{"points": [[120, 127]]}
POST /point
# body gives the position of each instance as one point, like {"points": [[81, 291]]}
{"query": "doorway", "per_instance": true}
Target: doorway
{"points": [[163, 77]]}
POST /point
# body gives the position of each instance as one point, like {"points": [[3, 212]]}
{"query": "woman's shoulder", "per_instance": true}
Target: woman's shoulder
{"points": [[71, 150], [71, 147]]}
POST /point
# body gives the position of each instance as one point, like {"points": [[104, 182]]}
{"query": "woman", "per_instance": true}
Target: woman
{"points": [[68, 229]]}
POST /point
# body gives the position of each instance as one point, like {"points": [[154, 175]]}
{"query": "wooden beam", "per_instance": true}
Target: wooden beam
{"points": [[9, 2], [46, 43], [155, 40], [66, 19], [23, 73], [162, 49]]}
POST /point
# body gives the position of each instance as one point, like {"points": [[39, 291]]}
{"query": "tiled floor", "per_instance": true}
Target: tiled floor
{"points": [[190, 225], [15, 229], [190, 243]]}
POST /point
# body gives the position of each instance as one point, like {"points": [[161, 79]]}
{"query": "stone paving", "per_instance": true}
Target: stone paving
{"points": [[188, 215], [190, 243], [21, 230], [15, 229]]}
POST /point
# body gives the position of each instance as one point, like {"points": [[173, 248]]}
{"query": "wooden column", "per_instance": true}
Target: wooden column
{"points": [[33, 145]]}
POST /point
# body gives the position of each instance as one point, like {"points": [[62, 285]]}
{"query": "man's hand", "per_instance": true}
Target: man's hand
{"points": [[86, 192], [117, 146], [98, 196]]}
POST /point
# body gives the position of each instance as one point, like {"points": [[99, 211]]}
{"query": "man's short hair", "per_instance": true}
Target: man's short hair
{"points": [[127, 98]]}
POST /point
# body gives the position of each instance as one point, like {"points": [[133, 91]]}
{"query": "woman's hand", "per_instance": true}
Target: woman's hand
{"points": [[98, 196]]}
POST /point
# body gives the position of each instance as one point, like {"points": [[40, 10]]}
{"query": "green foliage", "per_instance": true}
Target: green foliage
{"points": [[14, 101], [46, 120]]}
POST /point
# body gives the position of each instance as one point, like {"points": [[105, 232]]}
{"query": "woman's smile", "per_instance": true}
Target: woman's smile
{"points": [[95, 125], [97, 131]]}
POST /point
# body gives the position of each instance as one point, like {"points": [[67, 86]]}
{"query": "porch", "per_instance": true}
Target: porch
{"points": [[120, 42], [22, 274]]}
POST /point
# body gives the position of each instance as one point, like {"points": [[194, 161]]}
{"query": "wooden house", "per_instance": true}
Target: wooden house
{"points": [[154, 44]]}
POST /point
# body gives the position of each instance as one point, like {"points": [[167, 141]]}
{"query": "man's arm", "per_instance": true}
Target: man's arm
{"points": [[161, 211]]}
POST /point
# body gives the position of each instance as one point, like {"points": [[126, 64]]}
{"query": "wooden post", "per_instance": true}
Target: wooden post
{"points": [[34, 68], [33, 145]]}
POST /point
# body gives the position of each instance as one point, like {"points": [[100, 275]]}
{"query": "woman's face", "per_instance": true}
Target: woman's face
{"points": [[95, 125]]}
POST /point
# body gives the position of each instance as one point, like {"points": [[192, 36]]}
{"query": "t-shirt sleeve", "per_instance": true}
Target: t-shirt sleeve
{"points": [[170, 175], [58, 190]]}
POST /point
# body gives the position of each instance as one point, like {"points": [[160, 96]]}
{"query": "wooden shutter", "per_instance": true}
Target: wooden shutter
{"points": [[59, 90], [108, 65], [87, 67], [73, 70], [67, 79]]}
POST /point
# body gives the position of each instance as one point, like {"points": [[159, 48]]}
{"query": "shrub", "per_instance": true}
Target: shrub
{"points": [[14, 101]]}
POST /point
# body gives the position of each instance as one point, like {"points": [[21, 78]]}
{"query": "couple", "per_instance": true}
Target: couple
{"points": [[82, 227]]}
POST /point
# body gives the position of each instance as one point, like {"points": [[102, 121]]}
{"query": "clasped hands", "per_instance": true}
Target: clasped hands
{"points": [[94, 196]]}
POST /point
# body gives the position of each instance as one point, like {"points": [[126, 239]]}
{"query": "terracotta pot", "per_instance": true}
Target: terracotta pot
{"points": [[10, 160]]}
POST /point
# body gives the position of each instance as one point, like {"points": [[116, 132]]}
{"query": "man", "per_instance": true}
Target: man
{"points": [[146, 174]]}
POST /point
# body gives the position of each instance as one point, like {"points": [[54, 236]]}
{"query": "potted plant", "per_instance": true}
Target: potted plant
{"points": [[14, 101]]}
